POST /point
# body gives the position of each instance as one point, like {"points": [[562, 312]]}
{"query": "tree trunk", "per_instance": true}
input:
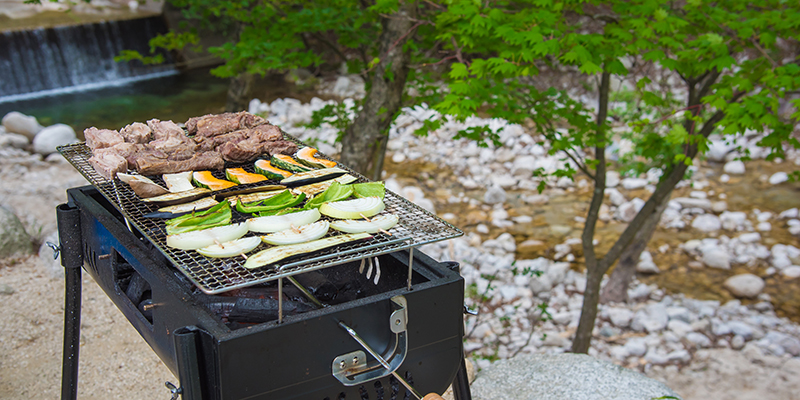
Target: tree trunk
{"points": [[616, 289], [583, 336], [364, 142], [239, 92]]}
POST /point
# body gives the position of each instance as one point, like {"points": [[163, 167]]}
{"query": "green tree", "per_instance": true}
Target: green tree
{"points": [[724, 53]]}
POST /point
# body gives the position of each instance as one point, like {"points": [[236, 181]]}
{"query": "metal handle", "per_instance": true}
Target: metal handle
{"points": [[353, 369]]}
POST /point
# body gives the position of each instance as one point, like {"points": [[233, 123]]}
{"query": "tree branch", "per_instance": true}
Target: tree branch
{"points": [[580, 165]]}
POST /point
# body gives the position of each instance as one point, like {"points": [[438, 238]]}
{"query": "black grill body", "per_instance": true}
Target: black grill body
{"points": [[269, 360]]}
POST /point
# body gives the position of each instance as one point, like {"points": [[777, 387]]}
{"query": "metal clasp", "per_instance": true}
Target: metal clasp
{"points": [[176, 391], [56, 249]]}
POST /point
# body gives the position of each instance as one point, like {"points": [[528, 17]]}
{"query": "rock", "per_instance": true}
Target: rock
{"points": [[6, 290], [14, 140], [634, 183], [734, 167], [707, 223], [646, 264], [778, 178], [737, 342], [689, 202], [563, 376], [536, 199], [494, 195], [751, 237], [744, 285], [679, 327], [620, 317], [764, 227], [791, 272], [652, 319], [16, 122], [636, 346], [698, 339], [719, 206], [523, 166], [724, 178], [53, 136], [789, 344], [734, 220], [616, 197], [789, 214], [612, 179], [13, 238], [627, 211]]}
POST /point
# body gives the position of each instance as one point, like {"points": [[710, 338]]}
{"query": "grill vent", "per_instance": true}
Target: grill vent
{"points": [[396, 390], [91, 258]]}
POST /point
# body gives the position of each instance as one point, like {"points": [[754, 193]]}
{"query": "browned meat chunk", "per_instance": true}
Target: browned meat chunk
{"points": [[267, 133], [211, 143], [124, 150], [239, 152], [280, 147], [136, 132], [214, 125], [191, 123], [200, 161], [101, 138], [163, 130], [108, 163]]}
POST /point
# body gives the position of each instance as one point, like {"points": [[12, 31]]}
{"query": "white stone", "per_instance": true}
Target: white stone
{"points": [[523, 166], [719, 206], [716, 257], [698, 194], [627, 211], [724, 178], [791, 272], [707, 223], [46, 141], [14, 140], [615, 197], [635, 346], [620, 317], [698, 339], [679, 327], [646, 264], [778, 177], [744, 285], [17, 122], [751, 237], [790, 213], [688, 202], [764, 227], [734, 167], [494, 195], [734, 220], [612, 179], [535, 199], [634, 183]]}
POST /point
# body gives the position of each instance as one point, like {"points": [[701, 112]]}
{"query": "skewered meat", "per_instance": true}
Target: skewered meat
{"points": [[148, 165], [136, 132], [101, 138]]}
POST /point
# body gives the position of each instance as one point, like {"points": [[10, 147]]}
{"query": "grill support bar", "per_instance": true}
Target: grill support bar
{"points": [[69, 234]]}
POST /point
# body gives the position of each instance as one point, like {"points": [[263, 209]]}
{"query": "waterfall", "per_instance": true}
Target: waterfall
{"points": [[46, 61]]}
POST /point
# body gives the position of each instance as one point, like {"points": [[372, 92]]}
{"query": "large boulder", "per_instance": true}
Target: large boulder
{"points": [[563, 377], [17, 122], [53, 136], [13, 238]]}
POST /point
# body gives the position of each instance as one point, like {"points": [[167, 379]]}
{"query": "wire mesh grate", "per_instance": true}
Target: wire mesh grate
{"points": [[416, 227]]}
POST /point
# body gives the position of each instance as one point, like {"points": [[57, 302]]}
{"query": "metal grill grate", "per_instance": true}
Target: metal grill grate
{"points": [[416, 227]]}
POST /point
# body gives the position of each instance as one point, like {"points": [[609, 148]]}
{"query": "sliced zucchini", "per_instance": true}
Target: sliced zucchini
{"points": [[196, 205], [288, 163], [207, 180], [319, 187], [308, 156], [265, 167], [309, 177], [249, 198], [241, 177], [277, 253]]}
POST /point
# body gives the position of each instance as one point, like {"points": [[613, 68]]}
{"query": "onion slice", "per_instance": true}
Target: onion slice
{"points": [[376, 224], [277, 223], [353, 209], [198, 239], [232, 248], [178, 182], [300, 234]]}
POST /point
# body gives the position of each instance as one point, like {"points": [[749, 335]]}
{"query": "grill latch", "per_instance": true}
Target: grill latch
{"points": [[353, 369]]}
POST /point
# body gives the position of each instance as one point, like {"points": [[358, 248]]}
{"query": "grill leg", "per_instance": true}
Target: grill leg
{"points": [[69, 233], [461, 383]]}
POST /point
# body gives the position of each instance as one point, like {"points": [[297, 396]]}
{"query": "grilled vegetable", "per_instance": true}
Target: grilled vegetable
{"points": [[178, 182], [309, 177], [319, 187], [374, 225], [178, 198], [308, 156], [264, 167], [196, 205], [288, 163], [277, 223], [142, 185], [257, 189], [334, 192], [277, 253], [369, 189], [215, 216], [204, 238], [282, 200], [232, 248], [353, 209], [252, 197], [240, 176], [299, 234], [207, 180]]}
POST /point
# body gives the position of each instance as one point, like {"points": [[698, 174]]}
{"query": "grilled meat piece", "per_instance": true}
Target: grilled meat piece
{"points": [[211, 143], [164, 130], [214, 125], [266, 132], [101, 138], [107, 163], [279, 147], [149, 165], [239, 152], [124, 150], [136, 132]]}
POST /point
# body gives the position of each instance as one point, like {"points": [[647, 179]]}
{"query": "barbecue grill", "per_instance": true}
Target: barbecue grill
{"points": [[312, 327]]}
